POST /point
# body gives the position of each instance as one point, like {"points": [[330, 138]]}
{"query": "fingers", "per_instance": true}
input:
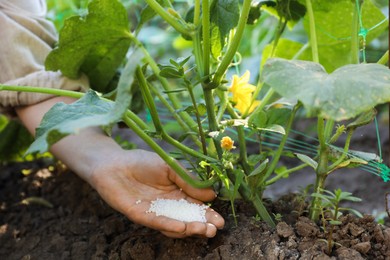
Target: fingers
{"points": [[195, 229], [206, 194], [215, 218], [174, 228]]}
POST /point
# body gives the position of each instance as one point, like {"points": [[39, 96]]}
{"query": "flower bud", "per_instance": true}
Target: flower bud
{"points": [[227, 143]]}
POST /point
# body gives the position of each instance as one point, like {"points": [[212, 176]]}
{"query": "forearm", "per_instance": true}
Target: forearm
{"points": [[79, 152]]}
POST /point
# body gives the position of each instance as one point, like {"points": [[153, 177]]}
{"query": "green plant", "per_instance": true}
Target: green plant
{"points": [[101, 44], [331, 210]]}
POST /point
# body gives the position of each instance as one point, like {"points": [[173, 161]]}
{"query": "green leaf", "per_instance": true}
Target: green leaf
{"points": [[14, 140], [286, 49], [357, 213], [95, 45], [224, 17], [343, 94], [260, 168], [278, 116], [333, 21], [148, 13], [306, 159], [3, 122], [335, 222], [62, 120], [171, 72], [258, 119], [363, 119]]}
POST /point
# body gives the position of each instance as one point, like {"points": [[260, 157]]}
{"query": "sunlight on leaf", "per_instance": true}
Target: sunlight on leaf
{"points": [[95, 45], [343, 94]]}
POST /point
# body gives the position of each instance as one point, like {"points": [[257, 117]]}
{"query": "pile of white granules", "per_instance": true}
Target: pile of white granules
{"points": [[179, 209]]}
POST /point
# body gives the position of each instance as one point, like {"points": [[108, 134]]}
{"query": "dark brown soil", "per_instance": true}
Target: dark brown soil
{"points": [[79, 225], [53, 214]]}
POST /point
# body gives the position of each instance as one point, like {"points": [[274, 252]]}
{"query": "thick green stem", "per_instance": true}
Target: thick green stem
{"points": [[321, 171], [243, 153], [328, 129], [228, 57], [174, 21], [148, 98], [206, 37], [50, 91], [256, 201], [315, 207], [212, 119], [168, 159], [281, 26], [355, 36], [196, 12], [313, 34]]}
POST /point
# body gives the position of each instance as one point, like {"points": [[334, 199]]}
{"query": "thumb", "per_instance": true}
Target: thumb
{"points": [[202, 194]]}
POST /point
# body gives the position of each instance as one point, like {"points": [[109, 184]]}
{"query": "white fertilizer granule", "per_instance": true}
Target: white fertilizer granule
{"points": [[179, 209]]}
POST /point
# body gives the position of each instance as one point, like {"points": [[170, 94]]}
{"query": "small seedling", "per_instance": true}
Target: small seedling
{"points": [[331, 211]]}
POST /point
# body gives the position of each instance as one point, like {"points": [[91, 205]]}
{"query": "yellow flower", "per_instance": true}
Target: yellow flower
{"points": [[227, 143], [242, 93]]}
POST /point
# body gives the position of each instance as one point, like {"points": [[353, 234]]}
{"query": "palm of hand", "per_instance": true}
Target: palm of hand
{"points": [[135, 178]]}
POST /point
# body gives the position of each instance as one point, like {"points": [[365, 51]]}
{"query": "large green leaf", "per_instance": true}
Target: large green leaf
{"points": [[63, 120], [95, 45], [333, 22], [224, 15], [343, 94]]}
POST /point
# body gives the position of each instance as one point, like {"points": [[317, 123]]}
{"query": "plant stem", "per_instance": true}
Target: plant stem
{"points": [[255, 199], [345, 151], [196, 12], [198, 120], [281, 26], [175, 102], [355, 36], [285, 174], [265, 100], [168, 159], [228, 57], [174, 114], [328, 129], [384, 59], [213, 124], [278, 153], [186, 149], [175, 22], [148, 98], [206, 37], [321, 171], [50, 91], [313, 34]]}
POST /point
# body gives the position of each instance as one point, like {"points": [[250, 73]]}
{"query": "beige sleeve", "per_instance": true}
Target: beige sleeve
{"points": [[26, 39]]}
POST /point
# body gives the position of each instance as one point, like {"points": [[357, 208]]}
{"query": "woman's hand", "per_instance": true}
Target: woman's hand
{"points": [[124, 178], [129, 180]]}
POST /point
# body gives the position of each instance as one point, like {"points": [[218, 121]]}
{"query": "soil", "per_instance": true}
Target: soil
{"points": [[52, 214]]}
